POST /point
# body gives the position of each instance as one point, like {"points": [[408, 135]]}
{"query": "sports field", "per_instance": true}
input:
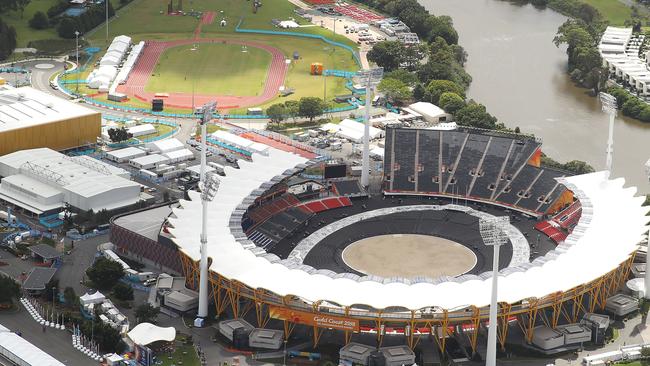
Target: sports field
{"points": [[217, 69]]}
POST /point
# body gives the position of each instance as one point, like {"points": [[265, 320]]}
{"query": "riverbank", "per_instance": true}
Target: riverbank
{"points": [[520, 76]]}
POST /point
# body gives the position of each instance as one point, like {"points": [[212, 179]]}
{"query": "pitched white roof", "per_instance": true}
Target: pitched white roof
{"points": [[26, 107], [167, 145], [593, 249]]}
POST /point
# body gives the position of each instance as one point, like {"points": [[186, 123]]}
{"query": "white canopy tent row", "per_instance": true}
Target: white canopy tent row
{"points": [[125, 71], [102, 77], [609, 230]]}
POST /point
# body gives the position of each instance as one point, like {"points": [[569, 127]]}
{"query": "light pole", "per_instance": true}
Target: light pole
{"points": [[76, 37], [493, 232], [609, 106], [284, 360], [209, 185], [106, 20], [369, 79]]}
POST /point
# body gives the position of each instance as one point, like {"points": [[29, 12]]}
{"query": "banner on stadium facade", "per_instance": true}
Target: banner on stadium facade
{"points": [[319, 320]]}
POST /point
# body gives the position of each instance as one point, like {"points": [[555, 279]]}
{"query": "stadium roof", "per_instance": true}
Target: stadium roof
{"points": [[609, 230], [26, 107]]}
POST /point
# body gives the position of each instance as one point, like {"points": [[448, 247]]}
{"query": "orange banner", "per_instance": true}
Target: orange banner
{"points": [[319, 320]]}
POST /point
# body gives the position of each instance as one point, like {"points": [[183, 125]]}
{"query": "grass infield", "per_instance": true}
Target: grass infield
{"points": [[217, 69]]}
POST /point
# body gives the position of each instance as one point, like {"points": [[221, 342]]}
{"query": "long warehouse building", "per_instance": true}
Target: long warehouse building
{"points": [[30, 118]]}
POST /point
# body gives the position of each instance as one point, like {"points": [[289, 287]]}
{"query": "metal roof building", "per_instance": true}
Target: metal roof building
{"points": [[43, 180], [38, 278], [20, 352], [30, 118]]}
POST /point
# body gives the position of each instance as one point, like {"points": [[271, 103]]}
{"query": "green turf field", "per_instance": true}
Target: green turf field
{"points": [[614, 11], [23, 31], [218, 69]]}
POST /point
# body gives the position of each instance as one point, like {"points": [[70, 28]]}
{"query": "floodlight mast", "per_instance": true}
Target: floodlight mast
{"points": [[209, 185], [493, 232], [609, 106], [647, 272], [368, 78]]}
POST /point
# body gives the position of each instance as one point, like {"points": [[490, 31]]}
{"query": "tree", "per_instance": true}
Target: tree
{"points": [[402, 75], [9, 289], [39, 21], [146, 313], [67, 26], [387, 54], [7, 39], [119, 134], [293, 109], [70, 296], [123, 292], [419, 92], [276, 112], [311, 107], [21, 5], [107, 337], [451, 102], [437, 87], [395, 90], [475, 115], [105, 273], [578, 167], [443, 27], [51, 290]]}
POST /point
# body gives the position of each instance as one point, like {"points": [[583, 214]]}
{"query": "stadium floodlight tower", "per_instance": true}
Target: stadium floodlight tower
{"points": [[609, 106], [493, 232], [368, 78], [209, 185]]}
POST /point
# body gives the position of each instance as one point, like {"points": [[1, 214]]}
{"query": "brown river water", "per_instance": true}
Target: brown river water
{"points": [[519, 75]]}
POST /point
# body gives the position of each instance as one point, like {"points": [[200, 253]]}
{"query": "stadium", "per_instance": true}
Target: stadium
{"points": [[286, 256]]}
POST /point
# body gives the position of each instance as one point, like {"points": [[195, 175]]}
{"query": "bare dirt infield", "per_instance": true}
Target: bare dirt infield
{"points": [[409, 255]]}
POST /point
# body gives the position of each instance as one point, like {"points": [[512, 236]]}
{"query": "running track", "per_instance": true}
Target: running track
{"points": [[143, 69]]}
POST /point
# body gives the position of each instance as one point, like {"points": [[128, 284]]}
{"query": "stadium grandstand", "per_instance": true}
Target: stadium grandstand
{"points": [[281, 254], [476, 165]]}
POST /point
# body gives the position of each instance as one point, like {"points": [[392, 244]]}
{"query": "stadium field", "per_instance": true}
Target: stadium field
{"points": [[219, 69]]}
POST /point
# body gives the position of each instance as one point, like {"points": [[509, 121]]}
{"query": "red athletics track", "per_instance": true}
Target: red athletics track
{"points": [[143, 69]]}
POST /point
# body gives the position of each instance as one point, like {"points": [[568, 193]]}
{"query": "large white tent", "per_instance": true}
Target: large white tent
{"points": [[611, 226], [146, 333]]}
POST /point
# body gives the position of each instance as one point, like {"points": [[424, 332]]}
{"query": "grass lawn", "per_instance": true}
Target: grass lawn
{"points": [[612, 10], [217, 69], [24, 32], [184, 353]]}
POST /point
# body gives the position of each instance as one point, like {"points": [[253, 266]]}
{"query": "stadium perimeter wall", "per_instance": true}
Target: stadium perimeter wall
{"points": [[57, 135]]}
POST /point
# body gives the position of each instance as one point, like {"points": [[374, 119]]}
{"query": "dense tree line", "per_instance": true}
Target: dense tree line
{"points": [[14, 5], [94, 16], [7, 40], [630, 105]]}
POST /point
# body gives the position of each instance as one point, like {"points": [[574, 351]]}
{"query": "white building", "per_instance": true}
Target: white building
{"points": [[149, 161], [165, 146], [19, 351], [430, 112], [142, 130], [177, 156], [124, 155], [43, 180]]}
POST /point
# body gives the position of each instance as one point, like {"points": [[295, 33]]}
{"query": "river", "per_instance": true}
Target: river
{"points": [[519, 75]]}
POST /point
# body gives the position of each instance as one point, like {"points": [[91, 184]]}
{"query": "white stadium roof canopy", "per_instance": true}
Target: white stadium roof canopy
{"points": [[611, 226]]}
